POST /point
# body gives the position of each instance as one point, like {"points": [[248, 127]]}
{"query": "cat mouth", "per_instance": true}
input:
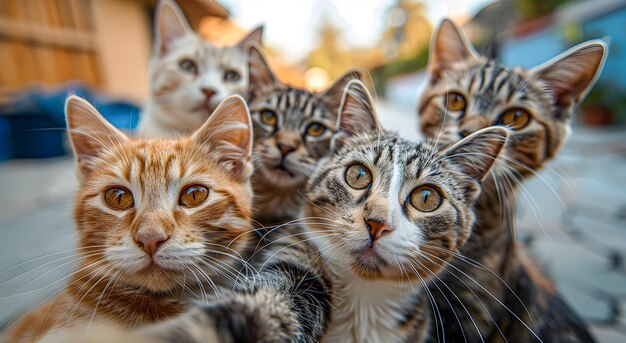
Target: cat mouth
{"points": [[282, 171], [367, 257]]}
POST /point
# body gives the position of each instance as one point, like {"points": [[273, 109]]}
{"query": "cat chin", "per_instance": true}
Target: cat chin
{"points": [[282, 178]]}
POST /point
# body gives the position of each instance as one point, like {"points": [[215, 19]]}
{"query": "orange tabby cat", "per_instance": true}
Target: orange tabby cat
{"points": [[156, 220]]}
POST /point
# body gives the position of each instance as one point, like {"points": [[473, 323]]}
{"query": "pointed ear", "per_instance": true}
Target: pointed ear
{"points": [[261, 75], [449, 45], [334, 94], [171, 25], [90, 134], [476, 153], [571, 74], [255, 36], [228, 134], [357, 115]]}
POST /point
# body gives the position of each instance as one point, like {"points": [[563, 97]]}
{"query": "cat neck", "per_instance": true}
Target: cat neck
{"points": [[373, 310], [276, 205], [107, 296]]}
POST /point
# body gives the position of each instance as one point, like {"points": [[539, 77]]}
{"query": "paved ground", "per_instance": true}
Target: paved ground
{"points": [[573, 219]]}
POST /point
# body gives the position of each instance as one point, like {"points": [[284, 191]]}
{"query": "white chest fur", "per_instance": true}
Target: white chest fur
{"points": [[368, 311]]}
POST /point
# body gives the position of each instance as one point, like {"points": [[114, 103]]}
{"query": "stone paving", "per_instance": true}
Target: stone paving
{"points": [[573, 220]]}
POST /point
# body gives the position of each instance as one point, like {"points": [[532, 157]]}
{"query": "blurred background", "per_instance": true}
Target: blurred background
{"points": [[572, 217]]}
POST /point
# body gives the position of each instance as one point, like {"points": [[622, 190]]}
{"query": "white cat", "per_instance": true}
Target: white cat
{"points": [[189, 76]]}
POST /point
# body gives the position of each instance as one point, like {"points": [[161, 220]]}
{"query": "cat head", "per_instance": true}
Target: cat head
{"points": [[292, 127], [468, 92], [189, 76], [152, 210], [390, 208]]}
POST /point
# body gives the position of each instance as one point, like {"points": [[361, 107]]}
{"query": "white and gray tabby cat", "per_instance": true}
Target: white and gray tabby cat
{"points": [[293, 128], [384, 214], [189, 76]]}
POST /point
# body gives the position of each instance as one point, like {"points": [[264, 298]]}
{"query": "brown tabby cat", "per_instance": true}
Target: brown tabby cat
{"points": [[495, 294], [156, 219], [292, 132]]}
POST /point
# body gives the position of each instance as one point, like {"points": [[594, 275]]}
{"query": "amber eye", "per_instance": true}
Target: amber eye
{"points": [[515, 118], [315, 129], [193, 196], [455, 102], [188, 66], [358, 176], [269, 117], [231, 75], [426, 198], [119, 198]]}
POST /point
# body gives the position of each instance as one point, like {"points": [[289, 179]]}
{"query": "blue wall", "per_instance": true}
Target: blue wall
{"points": [[537, 48]]}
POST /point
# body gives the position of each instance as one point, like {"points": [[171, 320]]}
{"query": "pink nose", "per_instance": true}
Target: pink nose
{"points": [[208, 92], [285, 149], [377, 228], [151, 240]]}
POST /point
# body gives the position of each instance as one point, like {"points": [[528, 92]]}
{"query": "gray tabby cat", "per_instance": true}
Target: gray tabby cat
{"points": [[383, 213], [293, 128], [189, 76], [500, 294]]}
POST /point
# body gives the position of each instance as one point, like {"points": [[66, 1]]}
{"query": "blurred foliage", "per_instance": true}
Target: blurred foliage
{"points": [[605, 96], [402, 47], [532, 9]]}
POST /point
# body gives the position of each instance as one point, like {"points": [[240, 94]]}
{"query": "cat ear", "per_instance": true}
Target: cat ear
{"points": [[334, 94], [228, 133], [357, 115], [449, 45], [90, 134], [571, 74], [171, 25], [261, 75], [476, 153], [255, 36]]}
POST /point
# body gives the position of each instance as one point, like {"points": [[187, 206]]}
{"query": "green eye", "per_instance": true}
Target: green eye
{"points": [[426, 198], [268, 117], [315, 129], [358, 176], [231, 75], [188, 66]]}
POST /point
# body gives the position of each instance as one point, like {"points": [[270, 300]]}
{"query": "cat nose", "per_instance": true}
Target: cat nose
{"points": [[377, 228], [464, 133], [151, 240], [208, 92], [285, 149]]}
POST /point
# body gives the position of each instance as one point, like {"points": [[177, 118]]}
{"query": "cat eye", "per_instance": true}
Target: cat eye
{"points": [[358, 176], [119, 198], [231, 75], [455, 102], [269, 117], [193, 196], [515, 118], [426, 198], [315, 129], [188, 66]]}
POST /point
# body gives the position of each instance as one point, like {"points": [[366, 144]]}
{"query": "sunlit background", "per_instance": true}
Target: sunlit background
{"points": [[572, 218]]}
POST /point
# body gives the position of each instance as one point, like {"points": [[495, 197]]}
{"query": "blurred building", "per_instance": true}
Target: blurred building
{"points": [[103, 43]]}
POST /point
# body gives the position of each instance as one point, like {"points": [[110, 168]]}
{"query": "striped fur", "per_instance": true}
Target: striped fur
{"points": [[116, 280], [346, 285], [493, 290], [177, 104], [280, 178]]}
